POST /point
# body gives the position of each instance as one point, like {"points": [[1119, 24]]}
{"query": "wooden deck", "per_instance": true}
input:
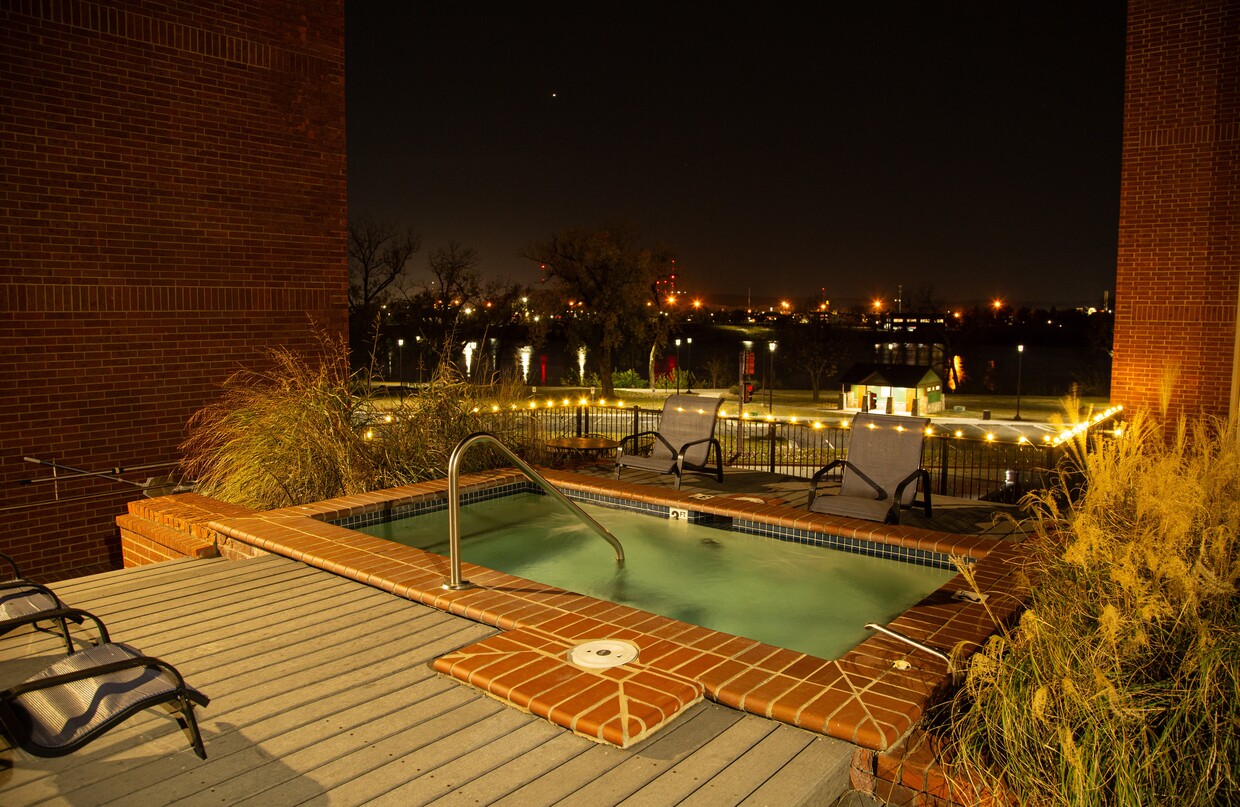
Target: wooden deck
{"points": [[322, 693]]}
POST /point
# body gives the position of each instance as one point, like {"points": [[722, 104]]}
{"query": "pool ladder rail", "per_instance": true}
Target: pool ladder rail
{"points": [[913, 642], [454, 582]]}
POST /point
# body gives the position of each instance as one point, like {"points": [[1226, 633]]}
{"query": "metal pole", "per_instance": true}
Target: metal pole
{"points": [[689, 364], [676, 370], [1020, 362], [455, 581], [400, 369], [770, 372]]}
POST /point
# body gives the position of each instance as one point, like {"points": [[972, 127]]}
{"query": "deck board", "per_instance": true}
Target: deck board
{"points": [[322, 693]]}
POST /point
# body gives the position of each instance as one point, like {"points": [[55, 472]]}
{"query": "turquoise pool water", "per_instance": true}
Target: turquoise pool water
{"points": [[806, 598]]}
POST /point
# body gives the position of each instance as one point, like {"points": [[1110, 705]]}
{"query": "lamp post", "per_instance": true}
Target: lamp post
{"points": [[689, 364], [676, 369], [1020, 362], [770, 376], [400, 367], [746, 355]]}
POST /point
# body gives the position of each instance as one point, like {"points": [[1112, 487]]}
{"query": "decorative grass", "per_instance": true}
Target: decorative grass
{"points": [[1121, 683], [308, 429]]}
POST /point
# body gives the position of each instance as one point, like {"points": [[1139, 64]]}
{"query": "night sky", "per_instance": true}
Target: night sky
{"points": [[968, 147]]}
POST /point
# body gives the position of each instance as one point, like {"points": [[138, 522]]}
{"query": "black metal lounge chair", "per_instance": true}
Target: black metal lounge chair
{"points": [[80, 697], [683, 441], [23, 602], [882, 473]]}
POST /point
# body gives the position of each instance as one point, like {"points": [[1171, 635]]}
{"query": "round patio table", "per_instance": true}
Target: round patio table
{"points": [[582, 446]]}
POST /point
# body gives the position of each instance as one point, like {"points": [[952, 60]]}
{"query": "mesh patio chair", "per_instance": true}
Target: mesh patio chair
{"points": [[882, 472], [23, 602], [80, 697], [683, 441]]}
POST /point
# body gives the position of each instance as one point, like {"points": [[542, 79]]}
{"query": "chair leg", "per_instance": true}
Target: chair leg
{"points": [[63, 633], [64, 629], [190, 724]]}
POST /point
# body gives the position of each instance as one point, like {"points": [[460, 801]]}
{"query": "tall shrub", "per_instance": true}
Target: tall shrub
{"points": [[1121, 683], [308, 429]]}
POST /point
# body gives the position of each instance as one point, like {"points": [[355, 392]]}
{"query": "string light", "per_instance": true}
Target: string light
{"points": [[844, 424]]}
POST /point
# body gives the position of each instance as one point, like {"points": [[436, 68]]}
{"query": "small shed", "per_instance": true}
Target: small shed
{"points": [[897, 389]]}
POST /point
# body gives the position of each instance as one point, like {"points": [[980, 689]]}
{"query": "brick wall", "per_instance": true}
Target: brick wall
{"points": [[1179, 269], [172, 181]]}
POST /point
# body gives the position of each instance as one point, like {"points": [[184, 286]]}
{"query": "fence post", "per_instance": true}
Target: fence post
{"points": [[771, 434], [577, 419], [943, 445]]}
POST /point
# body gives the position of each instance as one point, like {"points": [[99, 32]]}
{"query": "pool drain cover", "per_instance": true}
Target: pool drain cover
{"points": [[603, 653]]}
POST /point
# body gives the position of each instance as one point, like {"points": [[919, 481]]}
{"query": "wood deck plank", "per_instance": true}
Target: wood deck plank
{"points": [[322, 693], [391, 783], [567, 780], [738, 780], [431, 761], [513, 775], [642, 780], [805, 775]]}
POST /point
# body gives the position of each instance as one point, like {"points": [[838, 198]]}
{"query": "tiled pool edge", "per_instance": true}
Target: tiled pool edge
{"points": [[859, 698]]}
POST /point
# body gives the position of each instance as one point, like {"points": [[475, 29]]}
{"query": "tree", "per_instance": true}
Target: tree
{"points": [[378, 254], [662, 317], [721, 369], [456, 278], [607, 279], [820, 350]]}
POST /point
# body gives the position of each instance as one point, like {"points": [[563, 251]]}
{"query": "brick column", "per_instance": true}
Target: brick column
{"points": [[1178, 278]]}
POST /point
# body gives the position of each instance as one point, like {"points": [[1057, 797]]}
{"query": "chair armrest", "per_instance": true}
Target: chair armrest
{"points": [[39, 587], [17, 574], [75, 615], [922, 474], [817, 477], [103, 669], [686, 446], [632, 438]]}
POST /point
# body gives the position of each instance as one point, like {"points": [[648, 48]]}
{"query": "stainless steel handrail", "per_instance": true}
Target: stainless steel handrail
{"points": [[454, 504], [901, 637]]}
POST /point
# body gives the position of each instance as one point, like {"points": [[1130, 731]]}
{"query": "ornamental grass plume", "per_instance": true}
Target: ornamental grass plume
{"points": [[1120, 685], [308, 428]]}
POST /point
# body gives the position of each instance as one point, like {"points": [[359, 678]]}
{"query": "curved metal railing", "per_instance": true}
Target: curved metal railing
{"points": [[910, 641], [454, 504]]}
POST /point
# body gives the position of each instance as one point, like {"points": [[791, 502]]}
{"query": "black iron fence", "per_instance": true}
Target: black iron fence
{"points": [[958, 465]]}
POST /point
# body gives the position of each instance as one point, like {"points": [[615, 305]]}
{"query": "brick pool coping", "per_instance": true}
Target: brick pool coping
{"points": [[861, 698]]}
